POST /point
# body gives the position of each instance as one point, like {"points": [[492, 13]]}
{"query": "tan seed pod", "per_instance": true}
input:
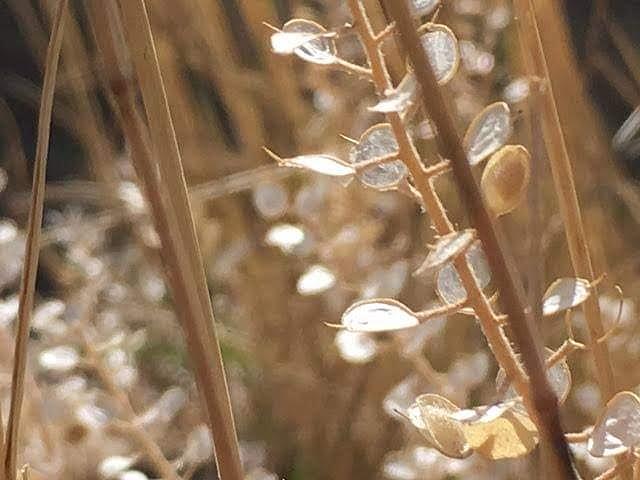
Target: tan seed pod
{"points": [[505, 178]]}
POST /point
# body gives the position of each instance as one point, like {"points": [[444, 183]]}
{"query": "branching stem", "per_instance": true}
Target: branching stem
{"points": [[540, 398], [497, 340]]}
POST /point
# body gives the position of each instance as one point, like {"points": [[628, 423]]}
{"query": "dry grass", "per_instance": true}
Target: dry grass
{"points": [[32, 244], [161, 207]]}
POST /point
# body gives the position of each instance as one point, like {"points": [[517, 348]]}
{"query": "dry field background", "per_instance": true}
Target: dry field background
{"points": [[110, 376]]}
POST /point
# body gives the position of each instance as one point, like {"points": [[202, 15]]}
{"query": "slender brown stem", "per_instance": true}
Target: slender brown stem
{"points": [[627, 49], [562, 172], [32, 247], [511, 291], [172, 212], [618, 469], [94, 361], [497, 340]]}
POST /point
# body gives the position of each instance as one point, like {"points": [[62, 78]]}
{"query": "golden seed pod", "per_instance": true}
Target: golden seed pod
{"points": [[505, 178]]}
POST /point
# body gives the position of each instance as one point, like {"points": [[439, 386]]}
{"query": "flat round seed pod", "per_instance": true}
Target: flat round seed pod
{"points": [[618, 428], [448, 284], [488, 132], [513, 434], [378, 142], [400, 98], [505, 179], [565, 293], [321, 50], [414, 414], [286, 43], [559, 377], [420, 8], [483, 413], [114, 465], [443, 432], [400, 465], [442, 50], [320, 163], [59, 359], [316, 279], [446, 249], [285, 236], [378, 315], [356, 347]]}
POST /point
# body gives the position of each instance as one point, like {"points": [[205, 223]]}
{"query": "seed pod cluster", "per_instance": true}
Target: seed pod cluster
{"points": [[505, 178]]}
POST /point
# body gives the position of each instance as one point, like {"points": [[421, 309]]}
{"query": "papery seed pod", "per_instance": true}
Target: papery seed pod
{"points": [[320, 50], [488, 132], [505, 178], [441, 46], [377, 142], [617, 430]]}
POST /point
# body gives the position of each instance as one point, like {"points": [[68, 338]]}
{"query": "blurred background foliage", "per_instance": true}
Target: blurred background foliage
{"points": [[302, 411]]}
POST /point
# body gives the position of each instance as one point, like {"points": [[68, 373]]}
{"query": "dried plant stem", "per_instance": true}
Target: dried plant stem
{"points": [[627, 49], [536, 64], [165, 185], [32, 247], [31, 28], [511, 291], [128, 425], [86, 118], [624, 466], [279, 68], [624, 86], [14, 151], [223, 68], [497, 340], [148, 446]]}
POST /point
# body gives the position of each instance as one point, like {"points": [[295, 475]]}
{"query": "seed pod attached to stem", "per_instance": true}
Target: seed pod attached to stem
{"points": [[505, 179]]}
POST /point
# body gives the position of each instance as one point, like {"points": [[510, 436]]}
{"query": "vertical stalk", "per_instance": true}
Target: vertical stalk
{"points": [[32, 247], [562, 172], [511, 291], [162, 175]]}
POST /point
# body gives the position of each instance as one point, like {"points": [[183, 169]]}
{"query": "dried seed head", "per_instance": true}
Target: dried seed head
{"points": [[505, 178]]}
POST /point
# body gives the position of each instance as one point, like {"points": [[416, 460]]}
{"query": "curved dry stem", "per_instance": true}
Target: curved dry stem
{"points": [[32, 248]]}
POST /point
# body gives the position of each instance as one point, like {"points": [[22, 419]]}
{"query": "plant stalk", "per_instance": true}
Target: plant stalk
{"points": [[511, 291], [32, 246], [563, 178], [157, 158]]}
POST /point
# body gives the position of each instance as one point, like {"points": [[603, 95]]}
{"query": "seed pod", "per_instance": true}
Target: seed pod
{"points": [[505, 178]]}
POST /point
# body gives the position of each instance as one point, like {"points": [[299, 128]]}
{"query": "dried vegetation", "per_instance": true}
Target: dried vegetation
{"points": [[405, 217]]}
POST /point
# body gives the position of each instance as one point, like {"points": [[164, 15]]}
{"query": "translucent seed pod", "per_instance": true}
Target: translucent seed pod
{"points": [[505, 178], [377, 142], [320, 50], [441, 46], [488, 132], [420, 8]]}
